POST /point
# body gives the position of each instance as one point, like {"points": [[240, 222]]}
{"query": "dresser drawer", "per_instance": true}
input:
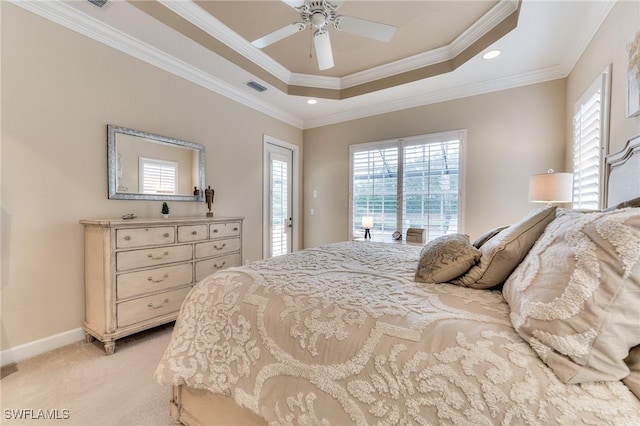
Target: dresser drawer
{"points": [[126, 260], [149, 307], [217, 248], [222, 230], [189, 233], [140, 237], [136, 283], [209, 266]]}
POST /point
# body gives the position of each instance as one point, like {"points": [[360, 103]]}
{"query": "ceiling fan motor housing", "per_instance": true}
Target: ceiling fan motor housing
{"points": [[318, 13]]}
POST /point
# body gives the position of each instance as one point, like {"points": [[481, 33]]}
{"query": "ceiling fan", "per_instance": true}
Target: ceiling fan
{"points": [[318, 15]]}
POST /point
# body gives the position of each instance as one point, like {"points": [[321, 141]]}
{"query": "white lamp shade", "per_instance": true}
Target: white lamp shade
{"points": [[551, 188], [367, 222]]}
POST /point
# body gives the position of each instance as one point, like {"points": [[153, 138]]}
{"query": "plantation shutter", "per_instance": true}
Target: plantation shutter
{"points": [[375, 187], [430, 187], [279, 206], [407, 183], [588, 147], [158, 176]]}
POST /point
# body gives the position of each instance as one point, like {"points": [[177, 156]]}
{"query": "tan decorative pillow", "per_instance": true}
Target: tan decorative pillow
{"points": [[487, 236], [633, 379], [576, 297], [502, 253], [446, 258]]}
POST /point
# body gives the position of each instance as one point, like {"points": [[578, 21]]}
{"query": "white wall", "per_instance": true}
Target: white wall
{"points": [[59, 92]]}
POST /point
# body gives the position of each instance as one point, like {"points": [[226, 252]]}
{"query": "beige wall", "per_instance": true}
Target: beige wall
{"points": [[59, 91], [511, 135], [608, 46]]}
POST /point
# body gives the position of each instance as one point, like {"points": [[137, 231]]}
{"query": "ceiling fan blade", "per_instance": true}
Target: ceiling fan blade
{"points": [[324, 53], [294, 3], [362, 27], [335, 3], [278, 35]]}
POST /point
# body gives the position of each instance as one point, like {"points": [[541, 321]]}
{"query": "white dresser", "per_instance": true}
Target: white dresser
{"points": [[138, 272]]}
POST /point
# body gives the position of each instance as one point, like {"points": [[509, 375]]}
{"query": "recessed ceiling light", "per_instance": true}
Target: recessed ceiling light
{"points": [[312, 101], [491, 54]]}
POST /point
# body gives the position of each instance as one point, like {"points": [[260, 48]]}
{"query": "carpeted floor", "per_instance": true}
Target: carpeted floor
{"points": [[94, 389]]}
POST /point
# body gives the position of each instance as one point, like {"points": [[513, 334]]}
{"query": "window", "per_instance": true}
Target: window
{"points": [[158, 176], [408, 183], [590, 130]]}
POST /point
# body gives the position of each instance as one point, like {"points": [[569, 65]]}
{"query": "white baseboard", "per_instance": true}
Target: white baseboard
{"points": [[37, 347]]}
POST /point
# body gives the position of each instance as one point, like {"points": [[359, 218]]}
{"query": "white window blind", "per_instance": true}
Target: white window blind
{"points": [[279, 210], [589, 125], [158, 176], [430, 187], [375, 187], [410, 183]]}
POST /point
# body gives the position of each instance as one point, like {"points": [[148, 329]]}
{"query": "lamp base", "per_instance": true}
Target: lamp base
{"points": [[367, 234]]}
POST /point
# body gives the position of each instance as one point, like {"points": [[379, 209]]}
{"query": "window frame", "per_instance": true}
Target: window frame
{"points": [[400, 143]]}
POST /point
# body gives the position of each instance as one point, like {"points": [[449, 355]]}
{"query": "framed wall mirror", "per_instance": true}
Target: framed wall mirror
{"points": [[144, 166]]}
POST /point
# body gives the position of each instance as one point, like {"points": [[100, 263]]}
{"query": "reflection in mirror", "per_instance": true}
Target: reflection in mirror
{"points": [[144, 166]]}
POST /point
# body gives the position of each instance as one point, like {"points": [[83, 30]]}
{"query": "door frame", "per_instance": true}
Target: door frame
{"points": [[295, 188]]}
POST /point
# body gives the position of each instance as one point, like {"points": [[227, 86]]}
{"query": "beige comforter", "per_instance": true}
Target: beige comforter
{"points": [[341, 334]]}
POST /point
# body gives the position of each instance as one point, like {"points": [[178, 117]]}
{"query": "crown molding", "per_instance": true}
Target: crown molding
{"points": [[211, 25], [442, 95], [591, 25], [71, 18]]}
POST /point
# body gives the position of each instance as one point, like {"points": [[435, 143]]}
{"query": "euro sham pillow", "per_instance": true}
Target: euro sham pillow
{"points": [[575, 298], [502, 253], [446, 258]]}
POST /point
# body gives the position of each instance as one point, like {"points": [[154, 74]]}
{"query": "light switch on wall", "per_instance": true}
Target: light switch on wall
{"points": [[312, 212], [315, 193]]}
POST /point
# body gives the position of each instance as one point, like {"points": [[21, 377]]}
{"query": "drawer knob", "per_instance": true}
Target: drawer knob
{"points": [[194, 232], [166, 235], [221, 247], [165, 254], [152, 306], [127, 238], [221, 266], [235, 229], [164, 277], [215, 231]]}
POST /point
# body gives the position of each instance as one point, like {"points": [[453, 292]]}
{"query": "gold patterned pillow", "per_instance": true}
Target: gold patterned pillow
{"points": [[446, 258], [576, 296]]}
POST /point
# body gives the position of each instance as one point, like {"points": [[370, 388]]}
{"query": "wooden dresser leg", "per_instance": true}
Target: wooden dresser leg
{"points": [[110, 347], [89, 337]]}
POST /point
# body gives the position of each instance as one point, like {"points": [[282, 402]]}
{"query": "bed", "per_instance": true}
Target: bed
{"points": [[538, 323]]}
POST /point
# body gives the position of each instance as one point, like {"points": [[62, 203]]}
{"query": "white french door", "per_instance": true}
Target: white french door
{"points": [[278, 200]]}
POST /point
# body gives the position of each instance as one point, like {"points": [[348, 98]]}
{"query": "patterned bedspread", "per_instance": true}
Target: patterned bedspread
{"points": [[342, 334]]}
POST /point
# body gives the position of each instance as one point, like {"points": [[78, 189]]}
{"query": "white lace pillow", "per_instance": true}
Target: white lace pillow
{"points": [[446, 258], [576, 296]]}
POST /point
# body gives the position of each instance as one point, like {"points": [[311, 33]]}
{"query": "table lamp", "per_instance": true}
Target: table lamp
{"points": [[551, 187], [367, 224]]}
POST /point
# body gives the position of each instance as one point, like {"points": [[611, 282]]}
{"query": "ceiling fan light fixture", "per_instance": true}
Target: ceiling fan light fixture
{"points": [[492, 54], [312, 101]]}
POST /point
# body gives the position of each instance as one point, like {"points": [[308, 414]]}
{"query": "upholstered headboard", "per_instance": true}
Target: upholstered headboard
{"points": [[623, 172]]}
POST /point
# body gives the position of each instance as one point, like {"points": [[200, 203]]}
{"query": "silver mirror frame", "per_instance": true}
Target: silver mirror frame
{"points": [[112, 165]]}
